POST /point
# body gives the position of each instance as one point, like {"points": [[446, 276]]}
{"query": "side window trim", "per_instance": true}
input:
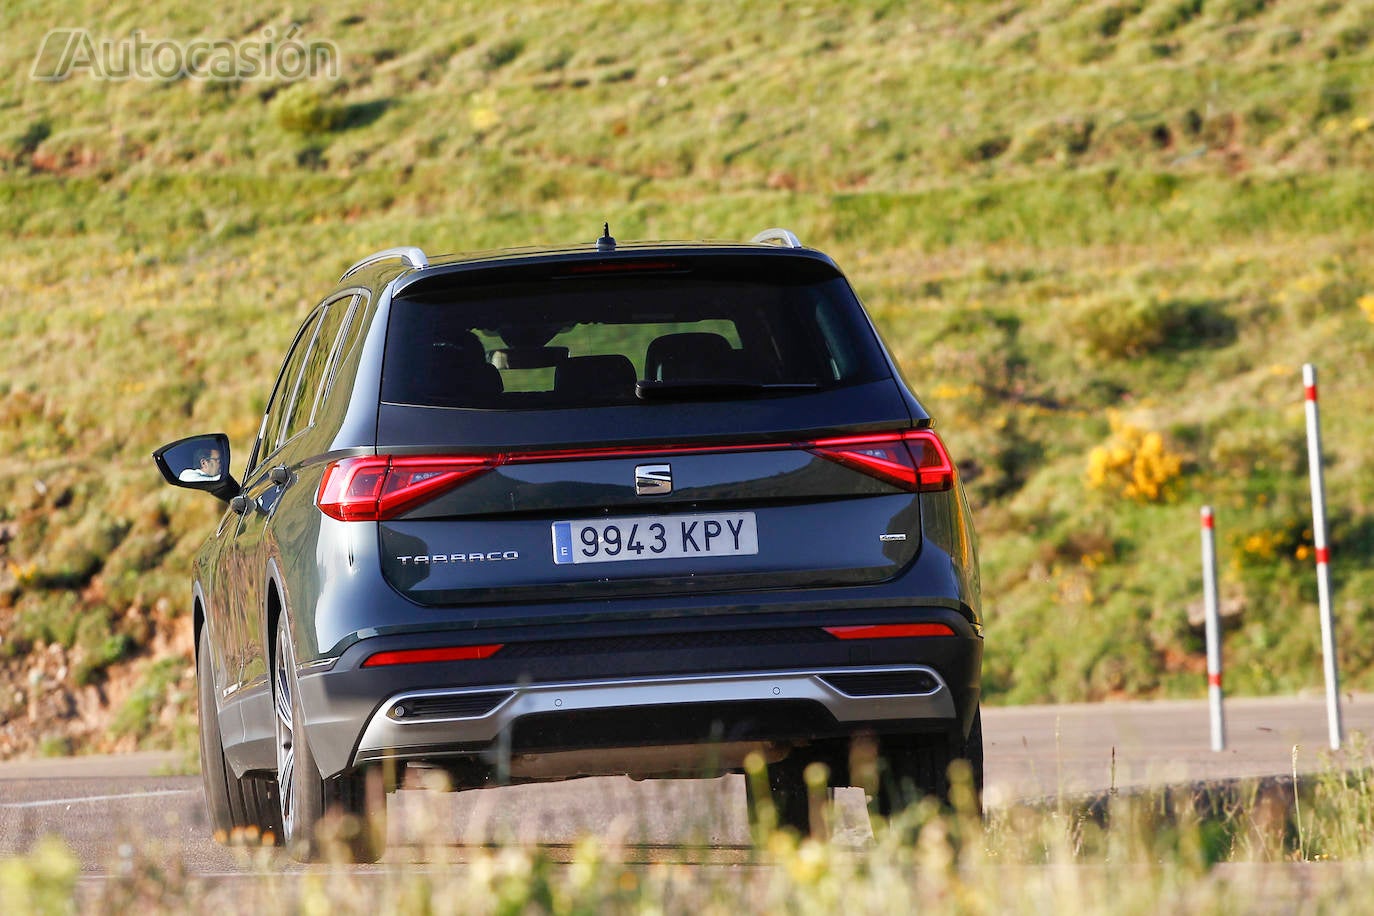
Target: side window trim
{"points": [[262, 448], [293, 402]]}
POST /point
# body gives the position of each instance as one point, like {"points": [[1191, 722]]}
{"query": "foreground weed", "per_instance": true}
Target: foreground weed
{"points": [[1128, 853]]}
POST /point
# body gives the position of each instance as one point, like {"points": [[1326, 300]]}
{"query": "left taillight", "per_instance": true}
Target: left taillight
{"points": [[375, 488], [915, 460]]}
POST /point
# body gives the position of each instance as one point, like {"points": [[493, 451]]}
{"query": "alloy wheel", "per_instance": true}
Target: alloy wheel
{"points": [[286, 754]]}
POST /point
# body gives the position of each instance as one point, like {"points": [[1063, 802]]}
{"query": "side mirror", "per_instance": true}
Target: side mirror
{"points": [[198, 463]]}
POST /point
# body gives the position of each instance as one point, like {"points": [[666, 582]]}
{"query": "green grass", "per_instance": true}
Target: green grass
{"points": [[1157, 207]]}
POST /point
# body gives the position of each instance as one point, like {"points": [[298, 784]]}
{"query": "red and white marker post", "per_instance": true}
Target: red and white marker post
{"points": [[1314, 464], [1209, 591]]}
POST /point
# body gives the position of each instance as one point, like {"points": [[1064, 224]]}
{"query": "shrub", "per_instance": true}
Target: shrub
{"points": [[1177, 16], [1240, 10], [47, 618], [1284, 536], [502, 53], [1111, 18], [78, 551], [1144, 323], [1335, 98], [139, 714], [1249, 444], [98, 645], [1135, 464], [43, 880], [1059, 139], [20, 145], [987, 148], [304, 108]]}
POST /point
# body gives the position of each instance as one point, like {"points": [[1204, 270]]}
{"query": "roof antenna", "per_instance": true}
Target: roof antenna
{"points": [[605, 243]]}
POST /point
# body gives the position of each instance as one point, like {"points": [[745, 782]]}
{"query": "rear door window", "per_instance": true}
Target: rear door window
{"points": [[298, 408], [283, 398]]}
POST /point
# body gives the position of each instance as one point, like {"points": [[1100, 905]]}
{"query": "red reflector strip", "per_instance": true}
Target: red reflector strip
{"points": [[446, 654], [890, 631], [1214, 680], [1323, 555], [1310, 391]]}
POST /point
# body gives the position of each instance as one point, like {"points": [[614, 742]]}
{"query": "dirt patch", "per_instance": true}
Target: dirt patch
{"points": [[45, 710]]}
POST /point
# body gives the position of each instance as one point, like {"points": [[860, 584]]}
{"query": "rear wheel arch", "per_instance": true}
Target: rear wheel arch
{"points": [[199, 624], [272, 614], [197, 614], [275, 604]]}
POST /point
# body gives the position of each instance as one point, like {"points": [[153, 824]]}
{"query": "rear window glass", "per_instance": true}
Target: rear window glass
{"points": [[625, 339]]}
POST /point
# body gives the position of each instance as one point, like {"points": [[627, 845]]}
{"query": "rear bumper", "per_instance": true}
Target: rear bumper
{"points": [[424, 723], [784, 685]]}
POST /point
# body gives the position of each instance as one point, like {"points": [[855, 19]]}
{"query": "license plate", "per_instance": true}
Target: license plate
{"points": [[655, 537]]}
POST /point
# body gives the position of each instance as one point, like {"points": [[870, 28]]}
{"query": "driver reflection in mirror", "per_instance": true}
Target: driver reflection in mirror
{"points": [[207, 466]]}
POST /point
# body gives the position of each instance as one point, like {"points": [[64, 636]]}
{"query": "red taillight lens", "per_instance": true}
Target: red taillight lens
{"points": [[446, 654], [915, 460], [890, 631], [370, 489], [376, 488]]}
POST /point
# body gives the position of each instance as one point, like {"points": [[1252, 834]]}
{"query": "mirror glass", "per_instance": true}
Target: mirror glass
{"points": [[201, 462]]}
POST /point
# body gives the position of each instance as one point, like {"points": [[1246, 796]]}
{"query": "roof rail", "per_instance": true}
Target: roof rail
{"points": [[777, 235], [408, 253]]}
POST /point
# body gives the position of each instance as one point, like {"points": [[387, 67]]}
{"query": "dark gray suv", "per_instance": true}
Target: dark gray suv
{"points": [[630, 509]]}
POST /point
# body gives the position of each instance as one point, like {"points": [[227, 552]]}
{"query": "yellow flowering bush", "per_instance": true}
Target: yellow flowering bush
{"points": [[1134, 464], [1366, 303], [1262, 545]]}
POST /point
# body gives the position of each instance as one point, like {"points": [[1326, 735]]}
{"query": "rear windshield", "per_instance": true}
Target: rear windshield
{"points": [[567, 342]]}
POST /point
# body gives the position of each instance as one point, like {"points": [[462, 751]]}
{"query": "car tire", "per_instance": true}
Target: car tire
{"points": [[224, 800], [260, 800], [304, 797], [788, 792], [973, 753], [912, 767]]}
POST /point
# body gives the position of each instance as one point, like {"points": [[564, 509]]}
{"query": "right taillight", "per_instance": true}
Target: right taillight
{"points": [[376, 488], [914, 460]]}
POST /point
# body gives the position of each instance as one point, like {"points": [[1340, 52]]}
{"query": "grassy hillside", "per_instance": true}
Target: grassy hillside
{"points": [[1102, 238]]}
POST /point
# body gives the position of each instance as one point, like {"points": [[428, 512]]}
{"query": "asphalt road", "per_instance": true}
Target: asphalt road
{"points": [[109, 809]]}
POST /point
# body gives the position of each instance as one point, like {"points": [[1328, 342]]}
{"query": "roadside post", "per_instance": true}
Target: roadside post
{"points": [[1314, 464], [1209, 591]]}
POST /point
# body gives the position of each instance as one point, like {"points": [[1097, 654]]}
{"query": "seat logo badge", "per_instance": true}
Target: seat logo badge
{"points": [[653, 479]]}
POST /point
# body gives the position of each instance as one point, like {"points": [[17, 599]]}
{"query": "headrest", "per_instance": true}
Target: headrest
{"points": [[611, 375], [692, 355]]}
